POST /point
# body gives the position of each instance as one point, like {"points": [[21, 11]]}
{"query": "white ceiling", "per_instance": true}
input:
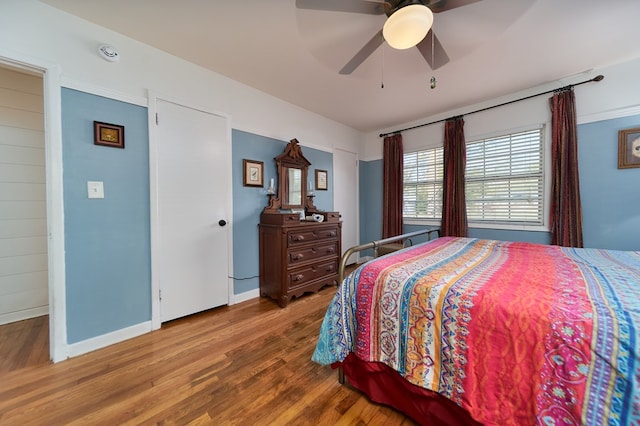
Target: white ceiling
{"points": [[496, 47]]}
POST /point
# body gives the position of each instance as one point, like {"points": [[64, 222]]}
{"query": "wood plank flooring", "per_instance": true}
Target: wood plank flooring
{"points": [[24, 344], [244, 364]]}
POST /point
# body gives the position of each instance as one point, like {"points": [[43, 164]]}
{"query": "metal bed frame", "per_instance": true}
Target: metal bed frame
{"points": [[375, 245]]}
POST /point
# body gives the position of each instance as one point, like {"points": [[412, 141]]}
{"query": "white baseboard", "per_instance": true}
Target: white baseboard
{"points": [[24, 314], [117, 336], [243, 297]]}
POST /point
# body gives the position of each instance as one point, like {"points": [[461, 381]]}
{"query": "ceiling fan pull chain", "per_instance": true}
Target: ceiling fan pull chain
{"points": [[433, 58], [433, 82], [382, 69]]}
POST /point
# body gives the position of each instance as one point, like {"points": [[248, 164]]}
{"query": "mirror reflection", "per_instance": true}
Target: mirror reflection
{"points": [[294, 186]]}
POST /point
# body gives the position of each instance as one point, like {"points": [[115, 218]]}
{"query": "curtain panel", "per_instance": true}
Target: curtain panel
{"points": [[392, 186], [454, 205], [566, 208]]}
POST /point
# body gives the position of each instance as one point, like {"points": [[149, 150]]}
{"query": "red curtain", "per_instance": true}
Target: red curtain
{"points": [[454, 205], [566, 209], [392, 186]]}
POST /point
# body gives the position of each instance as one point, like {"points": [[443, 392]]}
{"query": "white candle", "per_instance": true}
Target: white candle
{"points": [[310, 188], [271, 187]]}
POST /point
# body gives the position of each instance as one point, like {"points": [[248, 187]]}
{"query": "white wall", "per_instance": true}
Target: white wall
{"points": [[30, 28], [617, 95]]}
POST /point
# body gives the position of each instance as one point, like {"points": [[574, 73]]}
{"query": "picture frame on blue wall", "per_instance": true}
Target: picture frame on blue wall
{"points": [[629, 148], [106, 134], [252, 173], [321, 180]]}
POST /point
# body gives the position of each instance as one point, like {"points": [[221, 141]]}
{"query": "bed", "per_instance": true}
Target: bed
{"points": [[470, 331]]}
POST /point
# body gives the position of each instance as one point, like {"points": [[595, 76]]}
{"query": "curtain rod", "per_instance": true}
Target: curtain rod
{"points": [[596, 78]]}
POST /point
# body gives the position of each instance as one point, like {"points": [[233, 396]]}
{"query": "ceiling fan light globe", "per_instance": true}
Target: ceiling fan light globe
{"points": [[407, 26]]}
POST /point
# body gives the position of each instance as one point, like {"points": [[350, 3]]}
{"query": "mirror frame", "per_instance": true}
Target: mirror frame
{"points": [[291, 157]]}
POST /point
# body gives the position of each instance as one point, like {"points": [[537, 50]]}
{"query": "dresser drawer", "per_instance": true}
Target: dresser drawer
{"points": [[305, 254], [332, 216], [304, 275], [310, 235]]}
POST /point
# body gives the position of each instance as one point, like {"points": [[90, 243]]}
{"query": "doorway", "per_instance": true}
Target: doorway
{"points": [[191, 249], [345, 166], [24, 236]]}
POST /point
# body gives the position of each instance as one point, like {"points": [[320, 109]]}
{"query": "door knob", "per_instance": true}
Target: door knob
{"points": [[222, 222]]}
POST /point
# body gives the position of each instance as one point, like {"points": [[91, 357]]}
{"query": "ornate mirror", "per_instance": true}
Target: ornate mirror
{"points": [[292, 181]]}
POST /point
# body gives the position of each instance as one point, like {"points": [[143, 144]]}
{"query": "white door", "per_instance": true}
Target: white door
{"points": [[192, 185], [345, 193]]}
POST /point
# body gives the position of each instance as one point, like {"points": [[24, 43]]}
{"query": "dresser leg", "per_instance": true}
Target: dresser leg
{"points": [[283, 301]]}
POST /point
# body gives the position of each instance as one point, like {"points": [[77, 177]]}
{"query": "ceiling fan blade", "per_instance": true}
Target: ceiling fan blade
{"points": [[438, 6], [352, 6], [437, 56], [363, 54]]}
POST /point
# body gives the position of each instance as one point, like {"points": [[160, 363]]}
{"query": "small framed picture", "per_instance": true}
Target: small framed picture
{"points": [[106, 134], [321, 180], [253, 172], [300, 213], [629, 148]]}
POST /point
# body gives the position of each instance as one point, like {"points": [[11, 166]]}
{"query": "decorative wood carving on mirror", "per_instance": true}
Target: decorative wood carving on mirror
{"points": [[292, 181]]}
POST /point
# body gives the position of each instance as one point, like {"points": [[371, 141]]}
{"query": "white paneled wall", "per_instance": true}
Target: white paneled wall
{"points": [[23, 230]]}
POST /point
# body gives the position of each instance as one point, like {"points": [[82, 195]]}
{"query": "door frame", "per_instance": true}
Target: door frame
{"points": [[152, 109], [355, 256], [51, 80]]}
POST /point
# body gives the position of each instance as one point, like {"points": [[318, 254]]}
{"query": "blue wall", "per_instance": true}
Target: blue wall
{"points": [[610, 196], [248, 202], [370, 177], [107, 241]]}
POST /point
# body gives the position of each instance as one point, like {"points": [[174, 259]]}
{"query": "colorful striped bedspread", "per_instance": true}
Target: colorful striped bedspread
{"points": [[515, 333]]}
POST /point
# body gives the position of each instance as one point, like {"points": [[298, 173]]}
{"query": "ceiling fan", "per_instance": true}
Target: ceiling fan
{"points": [[405, 18]]}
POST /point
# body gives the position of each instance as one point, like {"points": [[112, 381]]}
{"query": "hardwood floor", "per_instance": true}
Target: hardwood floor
{"points": [[24, 344], [244, 364]]}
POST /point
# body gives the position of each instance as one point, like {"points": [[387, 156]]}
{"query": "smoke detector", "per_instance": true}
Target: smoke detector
{"points": [[108, 53]]}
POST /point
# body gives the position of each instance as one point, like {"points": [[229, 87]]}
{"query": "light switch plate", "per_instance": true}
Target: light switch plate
{"points": [[95, 189]]}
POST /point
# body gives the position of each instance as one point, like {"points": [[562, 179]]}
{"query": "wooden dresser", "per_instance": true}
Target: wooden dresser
{"points": [[296, 256]]}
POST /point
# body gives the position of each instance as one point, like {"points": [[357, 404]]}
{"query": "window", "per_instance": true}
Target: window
{"points": [[504, 180], [422, 188]]}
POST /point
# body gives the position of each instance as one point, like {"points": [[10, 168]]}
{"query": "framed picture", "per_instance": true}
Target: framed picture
{"points": [[106, 134], [300, 213], [321, 180], [253, 173], [629, 148]]}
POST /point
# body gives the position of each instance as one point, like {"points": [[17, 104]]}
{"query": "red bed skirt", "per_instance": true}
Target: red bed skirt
{"points": [[385, 386]]}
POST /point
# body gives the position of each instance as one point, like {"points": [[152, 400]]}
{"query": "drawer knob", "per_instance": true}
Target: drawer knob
{"points": [[332, 233], [313, 250], [298, 237], [298, 277], [329, 268], [298, 256], [330, 250]]}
